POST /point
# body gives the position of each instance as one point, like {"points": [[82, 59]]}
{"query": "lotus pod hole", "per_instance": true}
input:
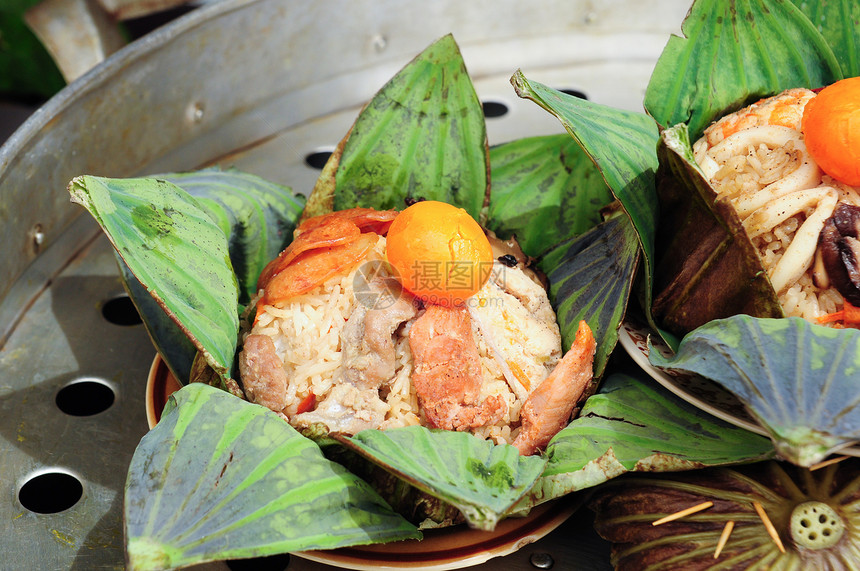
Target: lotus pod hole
{"points": [[815, 525]]}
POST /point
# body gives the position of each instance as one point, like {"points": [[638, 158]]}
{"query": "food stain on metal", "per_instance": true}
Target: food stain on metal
{"points": [[379, 43], [63, 538], [37, 238], [196, 111]]}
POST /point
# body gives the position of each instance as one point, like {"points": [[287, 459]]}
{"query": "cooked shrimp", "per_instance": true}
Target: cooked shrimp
{"points": [[785, 109], [447, 373], [548, 408]]}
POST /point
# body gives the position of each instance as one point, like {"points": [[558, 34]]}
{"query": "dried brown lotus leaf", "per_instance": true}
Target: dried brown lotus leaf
{"points": [[707, 268]]}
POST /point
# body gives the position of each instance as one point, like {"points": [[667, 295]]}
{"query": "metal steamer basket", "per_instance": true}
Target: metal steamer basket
{"points": [[267, 86]]}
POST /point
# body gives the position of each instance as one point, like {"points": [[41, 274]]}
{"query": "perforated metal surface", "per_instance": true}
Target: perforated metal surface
{"points": [[258, 85]]}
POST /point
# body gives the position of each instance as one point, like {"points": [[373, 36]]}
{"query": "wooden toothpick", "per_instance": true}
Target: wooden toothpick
{"points": [[769, 526], [683, 513], [827, 462], [724, 537]]}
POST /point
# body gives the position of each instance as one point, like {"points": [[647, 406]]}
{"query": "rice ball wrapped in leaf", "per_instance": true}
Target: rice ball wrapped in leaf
{"points": [[378, 319], [772, 515], [771, 172]]}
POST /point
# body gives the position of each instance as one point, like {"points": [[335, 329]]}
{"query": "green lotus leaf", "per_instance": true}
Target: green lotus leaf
{"points": [[168, 338], [814, 513], [837, 22], [544, 191], [422, 136], [735, 52], [622, 145], [220, 478], [257, 216], [590, 279], [481, 479], [633, 425], [707, 266], [421, 508], [799, 380], [171, 245]]}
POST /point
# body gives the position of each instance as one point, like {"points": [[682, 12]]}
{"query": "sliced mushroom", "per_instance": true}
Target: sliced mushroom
{"points": [[819, 271], [839, 245], [850, 257]]}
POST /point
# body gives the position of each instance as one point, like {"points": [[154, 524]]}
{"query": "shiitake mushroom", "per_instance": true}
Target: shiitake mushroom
{"points": [[837, 261]]}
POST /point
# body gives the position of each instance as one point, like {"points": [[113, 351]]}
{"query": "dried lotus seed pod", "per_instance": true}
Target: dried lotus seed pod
{"points": [[816, 515]]}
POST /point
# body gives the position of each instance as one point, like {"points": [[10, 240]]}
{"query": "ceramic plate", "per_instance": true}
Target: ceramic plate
{"points": [[455, 547], [449, 548], [698, 391]]}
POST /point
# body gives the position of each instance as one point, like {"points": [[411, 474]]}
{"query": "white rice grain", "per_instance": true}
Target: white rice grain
{"points": [[307, 330]]}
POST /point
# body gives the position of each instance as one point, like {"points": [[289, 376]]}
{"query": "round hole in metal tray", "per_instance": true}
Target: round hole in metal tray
{"points": [[121, 311], [317, 159], [50, 491], [575, 93], [85, 397], [494, 109]]}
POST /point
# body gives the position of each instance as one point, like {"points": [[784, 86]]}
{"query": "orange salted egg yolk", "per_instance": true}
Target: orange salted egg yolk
{"points": [[441, 254], [831, 130]]}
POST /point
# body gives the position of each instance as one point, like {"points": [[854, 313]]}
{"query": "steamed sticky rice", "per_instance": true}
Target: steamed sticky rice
{"points": [[757, 160], [343, 354]]}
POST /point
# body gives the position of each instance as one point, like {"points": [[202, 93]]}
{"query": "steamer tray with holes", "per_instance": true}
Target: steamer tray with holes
{"points": [[268, 86]]}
